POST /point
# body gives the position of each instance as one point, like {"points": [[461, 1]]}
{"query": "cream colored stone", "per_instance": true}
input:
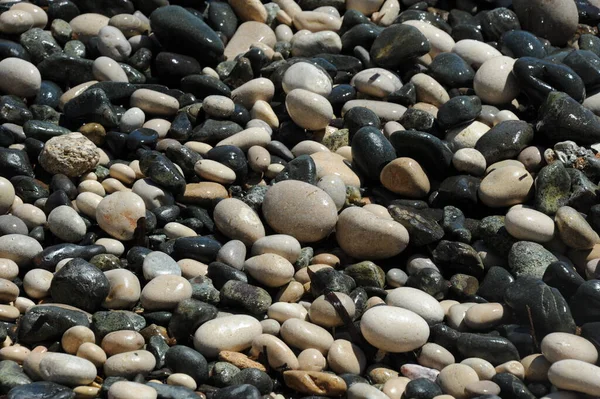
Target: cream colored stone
{"points": [[506, 186], [129, 364], [118, 214], [122, 341], [322, 312], [495, 83], [483, 368], [386, 111], [154, 102], [279, 355], [536, 367], [125, 289], [308, 110], [435, 356], [304, 335], [76, 336], [575, 375], [527, 224], [560, 346], [125, 389], [230, 333], [270, 269], [453, 379], [165, 292], [474, 52], [466, 136], [405, 176], [253, 91]]}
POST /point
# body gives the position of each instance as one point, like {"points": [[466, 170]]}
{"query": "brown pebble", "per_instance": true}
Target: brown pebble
{"points": [[240, 360], [315, 383]]}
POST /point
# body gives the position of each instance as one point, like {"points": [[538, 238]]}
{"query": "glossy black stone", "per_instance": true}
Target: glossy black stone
{"points": [[80, 284], [203, 249], [459, 191], [202, 86], [48, 323], [222, 18], [184, 33], [49, 94], [511, 387], [41, 390], [422, 15], [183, 359], [496, 350], [520, 43], [505, 141], [245, 391], [14, 163], [417, 119], [358, 117], [564, 278], [360, 35], [29, 189], [585, 303], [406, 95], [326, 280], [430, 281], [458, 257], [586, 64], [253, 377], [302, 168], [397, 44], [162, 171], [232, 157], [445, 336], [497, 21], [172, 67], [141, 138], [494, 284], [431, 153], [539, 305], [451, 70], [422, 229], [241, 295], [66, 70], [371, 151], [422, 388], [538, 78], [92, 105]]}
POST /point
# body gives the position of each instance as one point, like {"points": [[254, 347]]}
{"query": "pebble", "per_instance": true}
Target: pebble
{"points": [[494, 82], [309, 110], [129, 364], [418, 302], [123, 390], [230, 333], [528, 224], [238, 221], [118, 214], [560, 346], [575, 375], [405, 176], [403, 331], [19, 77], [304, 75], [67, 369], [510, 185]]}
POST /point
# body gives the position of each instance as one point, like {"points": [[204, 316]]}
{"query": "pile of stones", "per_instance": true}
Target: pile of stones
{"points": [[244, 199]]}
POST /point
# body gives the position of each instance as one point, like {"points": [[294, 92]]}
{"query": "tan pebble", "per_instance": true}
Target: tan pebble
{"points": [[203, 193], [91, 186], [16, 353], [31, 215], [435, 356], [527, 224], [483, 368], [387, 14], [74, 337], [291, 293], [418, 302], [161, 126], [536, 367], [311, 360], [214, 171], [253, 90], [262, 110], [31, 364], [394, 329], [373, 301], [395, 387], [495, 83], [446, 304], [232, 333], [376, 82], [88, 25], [364, 235], [165, 292], [315, 21], [240, 360], [270, 326], [107, 69], [506, 186], [112, 246], [575, 375], [453, 379], [315, 383], [118, 213], [299, 209], [87, 203], [9, 313], [532, 158], [122, 341], [484, 316], [40, 18], [479, 388], [259, 158], [7, 195], [123, 173], [8, 269], [279, 355], [466, 136], [247, 138], [303, 335], [308, 147], [125, 289], [328, 163], [282, 311], [323, 313], [249, 10], [273, 170], [125, 389], [469, 160], [23, 304], [128, 364], [560, 346], [428, 89], [502, 164], [15, 21], [9, 290], [154, 102], [346, 357], [128, 24], [308, 110], [405, 176], [235, 219], [513, 367], [474, 52], [309, 44], [380, 374], [574, 230], [361, 390], [182, 380], [218, 106], [456, 315], [200, 148], [191, 268]]}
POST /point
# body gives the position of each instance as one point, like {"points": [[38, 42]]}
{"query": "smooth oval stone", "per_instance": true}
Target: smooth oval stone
{"points": [[247, 34], [118, 214], [506, 186], [560, 346], [364, 235], [360, 390], [19, 77], [405, 176], [574, 230], [528, 224], [125, 289], [459, 110], [371, 151], [504, 141], [65, 223], [394, 329], [418, 302], [453, 379], [304, 75], [397, 44], [19, 248], [299, 209], [158, 263], [7, 195], [129, 364], [376, 82], [180, 31], [308, 110], [476, 53], [67, 369], [451, 70], [429, 151], [302, 334], [575, 375], [283, 245], [164, 292], [440, 41], [231, 333], [123, 390], [238, 221], [494, 82], [557, 20], [270, 269]]}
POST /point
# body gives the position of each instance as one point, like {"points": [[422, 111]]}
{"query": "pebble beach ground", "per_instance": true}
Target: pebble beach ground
{"points": [[243, 199]]}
